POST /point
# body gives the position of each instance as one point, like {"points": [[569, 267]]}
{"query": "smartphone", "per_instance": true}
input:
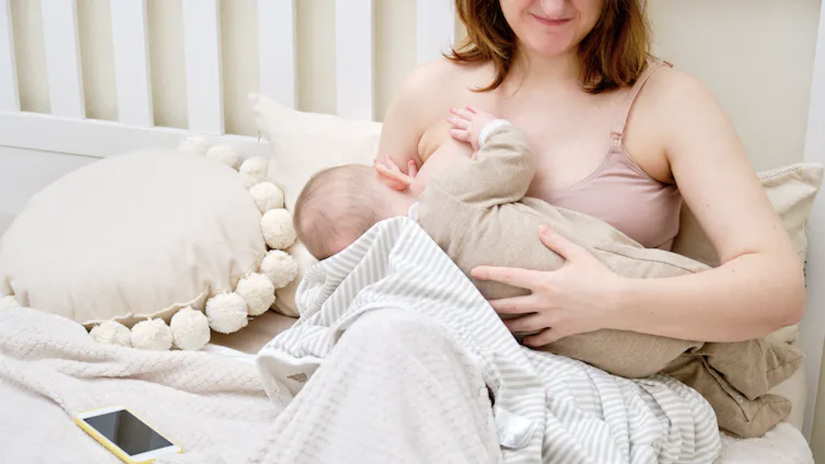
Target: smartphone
{"points": [[125, 435]]}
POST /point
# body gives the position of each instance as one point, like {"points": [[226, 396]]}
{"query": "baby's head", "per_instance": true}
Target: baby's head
{"points": [[339, 204]]}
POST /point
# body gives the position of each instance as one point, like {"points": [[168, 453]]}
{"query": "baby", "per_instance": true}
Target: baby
{"points": [[475, 209]]}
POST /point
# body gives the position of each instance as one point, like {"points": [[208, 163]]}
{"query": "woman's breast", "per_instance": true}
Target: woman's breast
{"points": [[622, 195]]}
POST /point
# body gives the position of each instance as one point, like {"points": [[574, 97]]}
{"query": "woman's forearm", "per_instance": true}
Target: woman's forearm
{"points": [[747, 297]]}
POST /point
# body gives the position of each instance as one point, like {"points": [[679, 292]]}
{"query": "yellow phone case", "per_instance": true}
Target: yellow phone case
{"points": [[111, 446]]}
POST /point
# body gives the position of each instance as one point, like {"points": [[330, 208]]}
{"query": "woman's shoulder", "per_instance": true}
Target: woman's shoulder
{"points": [[669, 104], [671, 92], [440, 80]]}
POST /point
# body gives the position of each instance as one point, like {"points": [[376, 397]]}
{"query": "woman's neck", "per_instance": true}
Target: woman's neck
{"points": [[532, 70]]}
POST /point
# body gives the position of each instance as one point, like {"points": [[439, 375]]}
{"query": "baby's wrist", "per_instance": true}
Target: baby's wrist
{"points": [[489, 128]]}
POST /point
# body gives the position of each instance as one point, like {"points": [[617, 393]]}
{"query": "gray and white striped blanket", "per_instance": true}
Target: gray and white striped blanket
{"points": [[547, 408]]}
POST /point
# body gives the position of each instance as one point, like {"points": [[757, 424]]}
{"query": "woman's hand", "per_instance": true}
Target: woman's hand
{"points": [[391, 175], [580, 297]]}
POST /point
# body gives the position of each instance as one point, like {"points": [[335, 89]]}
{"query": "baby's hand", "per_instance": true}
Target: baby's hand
{"points": [[468, 123], [390, 174]]}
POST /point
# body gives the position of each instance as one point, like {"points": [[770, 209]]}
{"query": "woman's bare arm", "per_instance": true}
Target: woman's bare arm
{"points": [[760, 285], [410, 113]]}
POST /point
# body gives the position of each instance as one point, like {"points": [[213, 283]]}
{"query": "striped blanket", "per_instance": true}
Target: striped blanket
{"points": [[545, 408]]}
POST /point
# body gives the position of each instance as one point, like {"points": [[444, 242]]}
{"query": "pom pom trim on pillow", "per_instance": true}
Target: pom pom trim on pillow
{"points": [[225, 312]]}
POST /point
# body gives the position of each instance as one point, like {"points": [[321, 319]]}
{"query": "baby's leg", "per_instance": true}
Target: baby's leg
{"points": [[735, 378], [752, 367], [623, 353]]}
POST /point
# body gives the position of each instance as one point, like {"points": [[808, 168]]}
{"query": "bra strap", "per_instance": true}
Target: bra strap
{"points": [[621, 122]]}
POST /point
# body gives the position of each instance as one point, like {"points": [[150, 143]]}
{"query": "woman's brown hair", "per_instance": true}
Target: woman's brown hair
{"points": [[612, 55]]}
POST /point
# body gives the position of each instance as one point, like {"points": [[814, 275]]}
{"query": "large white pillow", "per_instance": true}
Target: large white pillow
{"points": [[131, 236]]}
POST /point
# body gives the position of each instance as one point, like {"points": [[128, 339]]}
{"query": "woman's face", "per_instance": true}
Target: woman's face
{"points": [[551, 27]]}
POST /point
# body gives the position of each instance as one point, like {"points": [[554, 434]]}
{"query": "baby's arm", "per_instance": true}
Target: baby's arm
{"points": [[503, 166]]}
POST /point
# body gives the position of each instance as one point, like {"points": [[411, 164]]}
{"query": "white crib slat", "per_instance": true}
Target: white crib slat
{"points": [[63, 58], [130, 41], [204, 82], [9, 98], [435, 28], [354, 58], [276, 50]]}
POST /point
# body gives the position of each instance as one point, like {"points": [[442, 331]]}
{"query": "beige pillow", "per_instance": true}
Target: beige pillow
{"points": [[791, 190], [130, 236]]}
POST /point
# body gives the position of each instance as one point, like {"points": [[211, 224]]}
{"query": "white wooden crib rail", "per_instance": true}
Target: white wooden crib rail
{"points": [[66, 129]]}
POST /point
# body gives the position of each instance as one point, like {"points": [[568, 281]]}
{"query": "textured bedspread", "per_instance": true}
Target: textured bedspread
{"points": [[547, 408]]}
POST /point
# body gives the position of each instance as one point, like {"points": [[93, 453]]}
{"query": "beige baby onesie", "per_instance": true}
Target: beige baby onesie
{"points": [[477, 213]]}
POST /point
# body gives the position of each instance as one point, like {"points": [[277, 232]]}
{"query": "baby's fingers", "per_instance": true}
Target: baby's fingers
{"points": [[458, 122], [463, 114], [412, 168], [460, 135]]}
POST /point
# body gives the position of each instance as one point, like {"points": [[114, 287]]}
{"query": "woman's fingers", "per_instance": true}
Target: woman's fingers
{"points": [[526, 324], [515, 277], [412, 168], [473, 109], [564, 247], [516, 305], [545, 337]]}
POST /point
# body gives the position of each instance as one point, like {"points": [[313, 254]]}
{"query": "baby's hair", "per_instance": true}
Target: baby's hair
{"points": [[336, 206]]}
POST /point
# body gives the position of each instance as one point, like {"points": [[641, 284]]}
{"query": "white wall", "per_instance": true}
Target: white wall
{"points": [[757, 58]]}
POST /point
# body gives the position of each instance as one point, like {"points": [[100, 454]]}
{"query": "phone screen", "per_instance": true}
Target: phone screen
{"points": [[127, 432]]}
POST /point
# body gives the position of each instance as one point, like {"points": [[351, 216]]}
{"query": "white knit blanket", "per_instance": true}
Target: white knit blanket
{"points": [[547, 408]]}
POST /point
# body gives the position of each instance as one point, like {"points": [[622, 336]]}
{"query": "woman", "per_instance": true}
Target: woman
{"points": [[568, 72], [620, 137]]}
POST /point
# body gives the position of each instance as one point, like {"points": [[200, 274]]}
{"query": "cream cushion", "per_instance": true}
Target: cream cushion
{"points": [[135, 235]]}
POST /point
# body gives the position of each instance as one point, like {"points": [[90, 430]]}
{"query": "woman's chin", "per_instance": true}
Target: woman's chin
{"points": [[551, 51], [545, 48]]}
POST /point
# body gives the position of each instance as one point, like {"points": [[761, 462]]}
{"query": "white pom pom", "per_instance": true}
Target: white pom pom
{"points": [[190, 329], [197, 145], [153, 334], [8, 302], [280, 267], [256, 168], [247, 181], [226, 312], [277, 228], [226, 155], [112, 333], [267, 196], [258, 292]]}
